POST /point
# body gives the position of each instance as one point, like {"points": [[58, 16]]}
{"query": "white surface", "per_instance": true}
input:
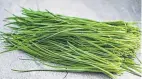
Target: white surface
{"points": [[101, 10]]}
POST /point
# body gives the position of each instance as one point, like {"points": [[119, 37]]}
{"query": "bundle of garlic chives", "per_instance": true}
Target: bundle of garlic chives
{"points": [[75, 44]]}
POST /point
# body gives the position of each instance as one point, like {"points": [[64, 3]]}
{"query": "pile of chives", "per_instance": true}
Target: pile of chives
{"points": [[75, 44]]}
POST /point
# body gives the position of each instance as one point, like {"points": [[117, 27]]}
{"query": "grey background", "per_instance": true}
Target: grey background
{"points": [[100, 10]]}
